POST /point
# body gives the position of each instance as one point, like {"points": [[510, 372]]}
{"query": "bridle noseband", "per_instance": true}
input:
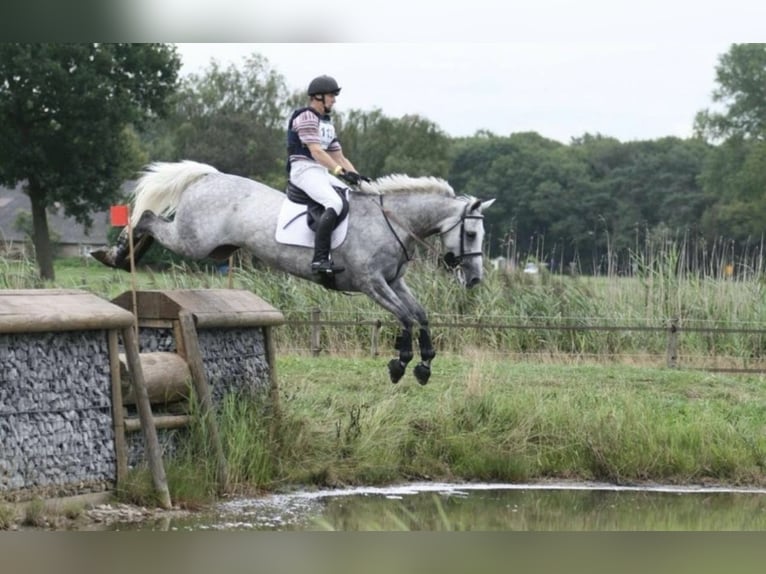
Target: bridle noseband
{"points": [[450, 260]]}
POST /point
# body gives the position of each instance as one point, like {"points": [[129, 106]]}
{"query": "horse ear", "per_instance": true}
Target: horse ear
{"points": [[484, 204]]}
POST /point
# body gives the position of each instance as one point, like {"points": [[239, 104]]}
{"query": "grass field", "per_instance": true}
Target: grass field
{"points": [[486, 415], [343, 423]]}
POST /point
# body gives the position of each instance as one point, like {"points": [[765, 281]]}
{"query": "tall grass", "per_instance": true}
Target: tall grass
{"points": [[483, 419], [510, 314]]}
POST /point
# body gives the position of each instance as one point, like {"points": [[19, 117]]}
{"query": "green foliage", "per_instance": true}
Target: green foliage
{"points": [[64, 116], [735, 177], [589, 201], [7, 516], [233, 118], [379, 145], [34, 513], [741, 79], [735, 181], [487, 419]]}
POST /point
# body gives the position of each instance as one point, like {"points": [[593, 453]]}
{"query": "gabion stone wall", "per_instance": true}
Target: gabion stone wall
{"points": [[56, 433], [235, 361]]}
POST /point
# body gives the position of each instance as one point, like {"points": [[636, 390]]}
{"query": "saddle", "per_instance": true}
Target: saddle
{"points": [[314, 210]]}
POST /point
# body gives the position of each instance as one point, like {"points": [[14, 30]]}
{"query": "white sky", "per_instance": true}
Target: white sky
{"points": [[630, 70], [628, 91]]}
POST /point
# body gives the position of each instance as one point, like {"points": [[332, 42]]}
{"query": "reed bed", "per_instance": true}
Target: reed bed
{"points": [[546, 317]]}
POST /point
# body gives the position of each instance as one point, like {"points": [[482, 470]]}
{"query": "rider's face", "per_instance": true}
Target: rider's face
{"points": [[329, 101]]}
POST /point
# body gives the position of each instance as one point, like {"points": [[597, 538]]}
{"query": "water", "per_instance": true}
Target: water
{"points": [[488, 507]]}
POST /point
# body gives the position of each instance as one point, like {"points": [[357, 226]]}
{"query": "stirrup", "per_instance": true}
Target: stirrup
{"points": [[325, 267]]}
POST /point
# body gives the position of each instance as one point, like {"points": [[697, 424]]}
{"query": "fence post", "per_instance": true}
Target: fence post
{"points": [[375, 337], [316, 332], [673, 343]]}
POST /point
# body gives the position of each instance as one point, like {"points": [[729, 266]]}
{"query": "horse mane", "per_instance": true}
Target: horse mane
{"points": [[398, 183]]}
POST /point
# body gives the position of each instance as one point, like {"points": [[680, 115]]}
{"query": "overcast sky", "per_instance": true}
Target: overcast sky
{"points": [[630, 91], [562, 68]]}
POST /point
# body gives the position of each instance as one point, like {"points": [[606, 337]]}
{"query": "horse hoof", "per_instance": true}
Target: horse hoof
{"points": [[422, 373], [396, 370], [103, 256]]}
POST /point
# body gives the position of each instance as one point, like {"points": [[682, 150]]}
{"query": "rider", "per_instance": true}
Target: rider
{"points": [[314, 157]]}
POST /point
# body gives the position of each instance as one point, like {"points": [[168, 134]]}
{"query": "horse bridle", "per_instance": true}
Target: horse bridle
{"points": [[450, 260]]}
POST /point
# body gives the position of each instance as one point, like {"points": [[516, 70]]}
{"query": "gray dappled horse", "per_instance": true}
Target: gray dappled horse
{"points": [[216, 213]]}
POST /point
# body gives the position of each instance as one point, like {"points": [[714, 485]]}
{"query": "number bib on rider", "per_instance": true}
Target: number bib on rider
{"points": [[326, 133]]}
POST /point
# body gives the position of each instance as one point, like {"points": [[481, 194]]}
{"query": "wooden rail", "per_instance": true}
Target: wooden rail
{"points": [[673, 332]]}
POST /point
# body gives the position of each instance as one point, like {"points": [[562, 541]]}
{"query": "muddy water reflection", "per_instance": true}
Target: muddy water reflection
{"points": [[492, 507]]}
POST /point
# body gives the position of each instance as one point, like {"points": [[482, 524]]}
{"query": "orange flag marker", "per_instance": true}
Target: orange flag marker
{"points": [[118, 214]]}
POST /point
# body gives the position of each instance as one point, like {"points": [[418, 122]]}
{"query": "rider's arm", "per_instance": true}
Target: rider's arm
{"points": [[342, 160], [330, 159], [323, 157]]}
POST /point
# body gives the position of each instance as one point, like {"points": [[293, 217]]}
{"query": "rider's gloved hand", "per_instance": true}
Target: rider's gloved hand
{"points": [[364, 178], [350, 177]]}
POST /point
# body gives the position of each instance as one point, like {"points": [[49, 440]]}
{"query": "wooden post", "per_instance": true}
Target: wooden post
{"points": [[118, 421], [673, 344], [375, 337], [316, 332], [197, 368], [153, 451], [271, 359], [132, 260]]}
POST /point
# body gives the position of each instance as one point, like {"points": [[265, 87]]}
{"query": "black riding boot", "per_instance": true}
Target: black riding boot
{"points": [[322, 262]]}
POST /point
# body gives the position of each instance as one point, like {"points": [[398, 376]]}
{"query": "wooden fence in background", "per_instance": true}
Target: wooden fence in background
{"points": [[673, 332]]}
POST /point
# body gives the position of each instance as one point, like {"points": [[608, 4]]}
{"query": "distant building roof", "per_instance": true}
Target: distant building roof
{"points": [[15, 201]]}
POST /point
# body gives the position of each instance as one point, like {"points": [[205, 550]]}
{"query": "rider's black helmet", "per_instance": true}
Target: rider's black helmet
{"points": [[323, 85]]}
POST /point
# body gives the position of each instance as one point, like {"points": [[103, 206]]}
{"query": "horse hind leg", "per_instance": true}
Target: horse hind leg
{"points": [[118, 255]]}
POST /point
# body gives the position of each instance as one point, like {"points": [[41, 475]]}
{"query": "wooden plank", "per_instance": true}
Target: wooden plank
{"points": [[197, 368], [153, 451], [41, 310], [166, 377], [239, 319], [160, 422], [211, 307], [118, 423], [155, 323], [178, 337]]}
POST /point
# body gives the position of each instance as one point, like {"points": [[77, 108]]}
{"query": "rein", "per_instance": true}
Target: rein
{"points": [[450, 259]]}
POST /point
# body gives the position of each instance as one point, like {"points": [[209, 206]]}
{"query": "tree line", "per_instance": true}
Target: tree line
{"points": [[77, 119]]}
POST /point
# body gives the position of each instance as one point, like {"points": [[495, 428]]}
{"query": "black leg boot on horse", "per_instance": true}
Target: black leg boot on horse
{"points": [[118, 255], [322, 263]]}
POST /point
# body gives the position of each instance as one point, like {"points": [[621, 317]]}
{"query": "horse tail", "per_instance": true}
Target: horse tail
{"points": [[159, 188]]}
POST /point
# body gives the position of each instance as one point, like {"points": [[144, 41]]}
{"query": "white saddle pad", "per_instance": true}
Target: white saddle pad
{"points": [[292, 228]]}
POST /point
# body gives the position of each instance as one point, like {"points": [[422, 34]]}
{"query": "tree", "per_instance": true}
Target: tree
{"points": [[741, 78], [379, 145], [735, 176], [233, 118], [66, 112]]}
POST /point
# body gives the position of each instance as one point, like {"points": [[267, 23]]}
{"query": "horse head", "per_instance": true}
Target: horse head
{"points": [[463, 239]]}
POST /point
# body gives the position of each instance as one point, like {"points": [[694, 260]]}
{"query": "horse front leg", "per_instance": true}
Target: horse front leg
{"points": [[383, 294], [403, 344], [422, 370]]}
